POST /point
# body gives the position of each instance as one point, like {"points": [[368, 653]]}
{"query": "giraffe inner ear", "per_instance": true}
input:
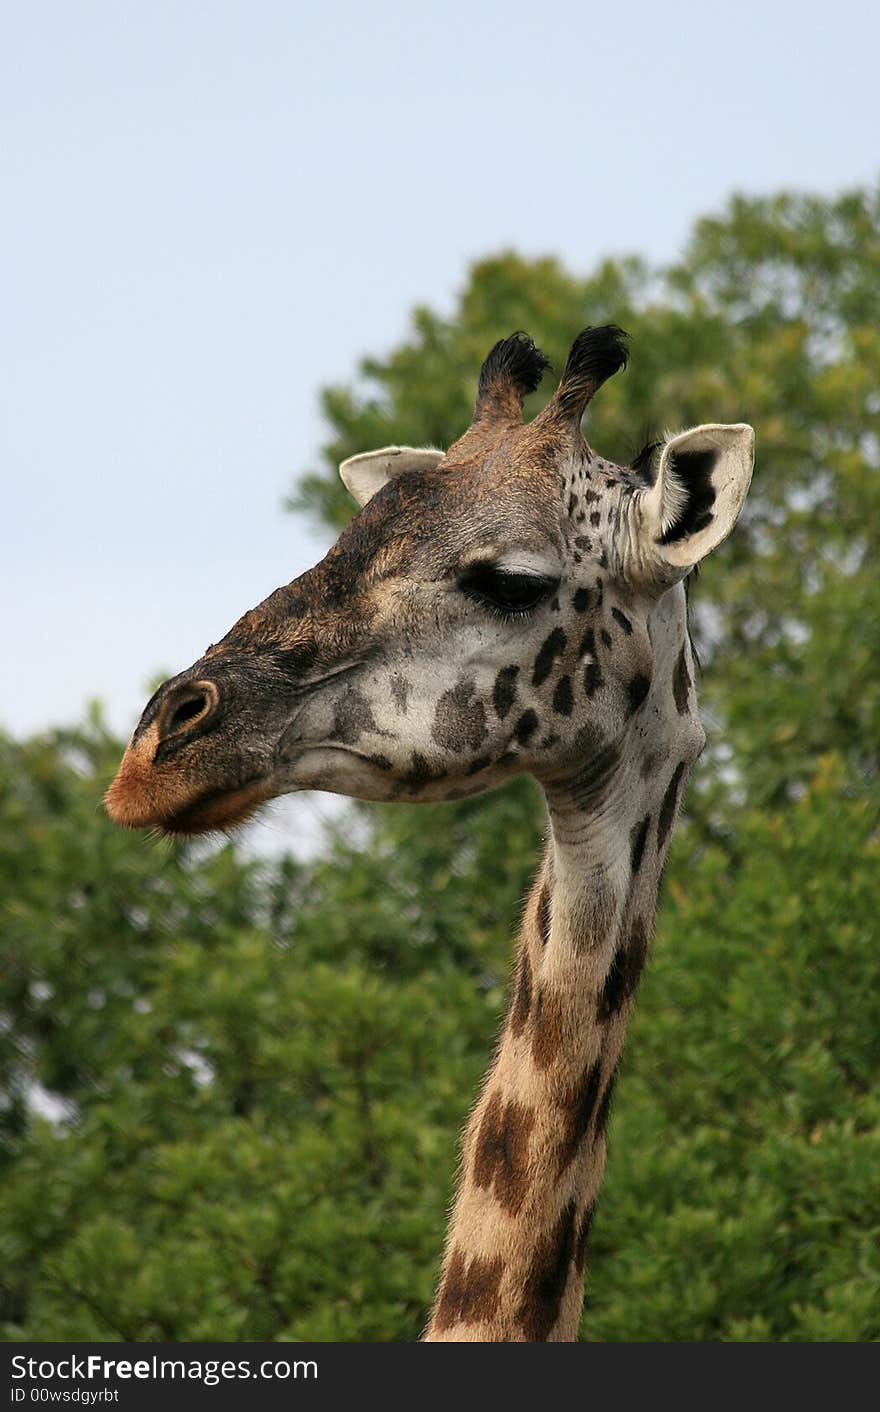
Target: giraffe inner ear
{"points": [[363, 475], [695, 501]]}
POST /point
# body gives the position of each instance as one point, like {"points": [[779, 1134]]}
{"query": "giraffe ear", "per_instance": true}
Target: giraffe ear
{"points": [[363, 475], [694, 503]]}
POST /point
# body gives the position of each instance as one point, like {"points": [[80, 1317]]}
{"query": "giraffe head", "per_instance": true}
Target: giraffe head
{"points": [[486, 612]]}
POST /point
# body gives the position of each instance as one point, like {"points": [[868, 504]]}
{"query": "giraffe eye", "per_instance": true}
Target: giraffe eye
{"points": [[504, 589]]}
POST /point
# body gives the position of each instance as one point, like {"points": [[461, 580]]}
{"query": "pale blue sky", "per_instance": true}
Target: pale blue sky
{"points": [[210, 210]]}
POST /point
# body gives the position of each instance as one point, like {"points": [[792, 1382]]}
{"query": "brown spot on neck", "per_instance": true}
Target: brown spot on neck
{"points": [[502, 1151], [625, 971], [469, 1292], [548, 1031], [578, 1107], [547, 1278]]}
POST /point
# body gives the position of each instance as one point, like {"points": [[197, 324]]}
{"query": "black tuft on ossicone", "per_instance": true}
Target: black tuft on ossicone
{"points": [[516, 364], [596, 354]]}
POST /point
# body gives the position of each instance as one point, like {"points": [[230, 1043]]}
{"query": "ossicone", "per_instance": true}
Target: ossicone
{"points": [[595, 356], [512, 369]]}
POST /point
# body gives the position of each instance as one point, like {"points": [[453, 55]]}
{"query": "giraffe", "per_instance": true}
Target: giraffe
{"points": [[514, 604]]}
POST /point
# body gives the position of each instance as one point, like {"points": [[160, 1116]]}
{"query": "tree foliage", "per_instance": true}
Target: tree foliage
{"points": [[232, 1089]]}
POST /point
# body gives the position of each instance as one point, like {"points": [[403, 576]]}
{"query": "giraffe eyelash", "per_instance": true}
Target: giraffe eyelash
{"points": [[505, 593]]}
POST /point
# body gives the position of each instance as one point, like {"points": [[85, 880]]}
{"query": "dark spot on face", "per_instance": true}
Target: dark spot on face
{"points": [[583, 1238], [581, 600], [681, 682], [502, 1150], [554, 605], [604, 1109], [459, 720], [525, 727], [552, 647], [622, 619], [595, 518], [583, 543], [504, 690], [593, 679], [544, 914], [563, 697], [606, 637], [637, 839], [636, 692], [352, 715], [573, 503], [590, 496], [399, 691], [693, 471], [547, 1277], [469, 1292], [667, 808], [577, 558], [522, 996], [579, 1106], [624, 973]]}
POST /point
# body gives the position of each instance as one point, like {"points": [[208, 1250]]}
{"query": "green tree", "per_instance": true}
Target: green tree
{"points": [[259, 1070]]}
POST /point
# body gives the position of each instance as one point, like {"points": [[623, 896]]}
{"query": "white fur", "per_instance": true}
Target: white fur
{"points": [[363, 475]]}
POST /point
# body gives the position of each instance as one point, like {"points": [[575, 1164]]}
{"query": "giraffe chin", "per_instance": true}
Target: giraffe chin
{"points": [[218, 810]]}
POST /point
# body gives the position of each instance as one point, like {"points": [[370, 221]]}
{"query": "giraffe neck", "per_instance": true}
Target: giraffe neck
{"points": [[533, 1154]]}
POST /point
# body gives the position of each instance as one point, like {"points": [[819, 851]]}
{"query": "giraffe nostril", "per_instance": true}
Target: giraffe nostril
{"points": [[186, 711], [188, 704]]}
